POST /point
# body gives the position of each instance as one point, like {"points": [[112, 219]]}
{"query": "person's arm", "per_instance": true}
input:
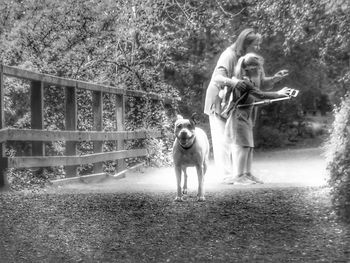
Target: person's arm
{"points": [[263, 95], [221, 78], [267, 83], [223, 72]]}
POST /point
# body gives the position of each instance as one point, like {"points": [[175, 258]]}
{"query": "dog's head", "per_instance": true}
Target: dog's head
{"points": [[184, 131]]}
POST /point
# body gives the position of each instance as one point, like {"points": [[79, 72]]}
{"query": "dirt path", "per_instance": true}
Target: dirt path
{"points": [[135, 219], [287, 168]]}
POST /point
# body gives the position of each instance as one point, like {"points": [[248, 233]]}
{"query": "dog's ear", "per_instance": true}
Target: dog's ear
{"points": [[193, 118], [179, 117]]}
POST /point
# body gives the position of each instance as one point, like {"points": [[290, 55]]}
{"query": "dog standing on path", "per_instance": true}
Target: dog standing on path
{"points": [[191, 148]]}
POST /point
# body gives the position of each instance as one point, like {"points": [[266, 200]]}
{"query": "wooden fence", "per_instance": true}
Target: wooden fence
{"points": [[38, 136]]}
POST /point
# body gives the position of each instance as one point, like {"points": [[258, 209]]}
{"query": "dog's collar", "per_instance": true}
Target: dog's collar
{"points": [[188, 147]]}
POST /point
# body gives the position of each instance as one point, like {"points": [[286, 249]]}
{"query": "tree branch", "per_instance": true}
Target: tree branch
{"points": [[184, 12], [227, 13], [129, 69]]}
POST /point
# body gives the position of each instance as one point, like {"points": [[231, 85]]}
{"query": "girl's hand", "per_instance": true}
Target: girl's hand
{"points": [[284, 92], [280, 74]]}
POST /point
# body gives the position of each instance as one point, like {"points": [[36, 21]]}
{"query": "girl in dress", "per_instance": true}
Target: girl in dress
{"points": [[242, 116]]}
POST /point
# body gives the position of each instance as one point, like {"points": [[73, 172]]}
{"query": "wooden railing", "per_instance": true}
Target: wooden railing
{"points": [[38, 136]]}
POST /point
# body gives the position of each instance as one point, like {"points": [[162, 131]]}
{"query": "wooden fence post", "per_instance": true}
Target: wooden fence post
{"points": [[120, 119], [3, 161], [37, 114], [71, 125], [97, 110]]}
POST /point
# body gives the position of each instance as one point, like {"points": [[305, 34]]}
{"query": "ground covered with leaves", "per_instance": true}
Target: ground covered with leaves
{"points": [[250, 224]]}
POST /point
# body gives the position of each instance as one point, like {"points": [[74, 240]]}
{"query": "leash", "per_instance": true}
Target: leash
{"points": [[263, 102], [292, 94], [225, 113]]}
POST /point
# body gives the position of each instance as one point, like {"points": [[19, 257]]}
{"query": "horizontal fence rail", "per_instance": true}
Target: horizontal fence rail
{"points": [[51, 161], [71, 159], [79, 136], [63, 82]]}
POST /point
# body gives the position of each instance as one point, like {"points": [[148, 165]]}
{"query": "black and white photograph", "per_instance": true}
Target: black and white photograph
{"points": [[174, 131]]}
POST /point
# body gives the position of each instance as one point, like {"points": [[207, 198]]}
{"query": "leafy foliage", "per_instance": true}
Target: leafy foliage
{"points": [[316, 33], [338, 155]]}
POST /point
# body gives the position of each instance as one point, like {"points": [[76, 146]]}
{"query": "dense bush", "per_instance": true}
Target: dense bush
{"points": [[338, 158]]}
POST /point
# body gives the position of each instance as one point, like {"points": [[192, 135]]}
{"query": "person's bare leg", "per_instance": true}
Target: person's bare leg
{"points": [[249, 161], [248, 170], [241, 159]]}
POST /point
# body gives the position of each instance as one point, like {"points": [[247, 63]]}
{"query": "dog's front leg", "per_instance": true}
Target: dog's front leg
{"points": [[200, 175], [184, 191], [178, 183]]}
